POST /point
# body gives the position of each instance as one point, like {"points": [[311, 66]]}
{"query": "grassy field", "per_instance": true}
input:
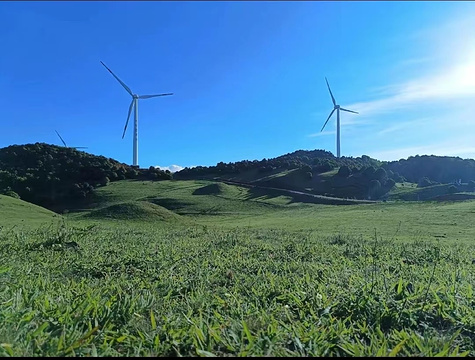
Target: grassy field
{"points": [[15, 212], [221, 205], [201, 268]]}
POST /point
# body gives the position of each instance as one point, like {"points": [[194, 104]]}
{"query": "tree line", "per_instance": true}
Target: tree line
{"points": [[49, 175], [319, 161]]}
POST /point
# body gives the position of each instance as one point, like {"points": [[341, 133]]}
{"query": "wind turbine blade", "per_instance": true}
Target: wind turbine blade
{"points": [[128, 116], [333, 99], [329, 116], [79, 147], [121, 82], [61, 139], [151, 96], [349, 110]]}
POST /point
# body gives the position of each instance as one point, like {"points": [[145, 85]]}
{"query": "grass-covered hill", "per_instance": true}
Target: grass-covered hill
{"points": [[207, 268], [306, 171], [316, 171], [212, 269], [215, 204], [319, 172], [61, 178], [14, 212], [51, 176]]}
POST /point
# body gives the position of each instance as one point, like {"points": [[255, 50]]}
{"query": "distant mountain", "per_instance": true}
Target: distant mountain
{"points": [[50, 175]]}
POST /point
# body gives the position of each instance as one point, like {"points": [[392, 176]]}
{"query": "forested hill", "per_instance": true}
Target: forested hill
{"points": [[438, 169], [49, 175], [316, 161], [52, 176], [417, 169]]}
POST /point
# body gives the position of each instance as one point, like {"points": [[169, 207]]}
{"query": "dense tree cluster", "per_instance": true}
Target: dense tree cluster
{"points": [[436, 169], [317, 161], [48, 175], [365, 183]]}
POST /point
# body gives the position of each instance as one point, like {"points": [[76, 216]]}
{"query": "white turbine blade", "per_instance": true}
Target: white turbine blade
{"points": [[333, 99], [151, 96], [121, 82], [61, 139], [79, 147], [128, 116], [329, 116], [348, 110]]}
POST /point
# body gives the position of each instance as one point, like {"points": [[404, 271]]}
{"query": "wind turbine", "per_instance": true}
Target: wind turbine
{"points": [[74, 147], [134, 103], [337, 108]]}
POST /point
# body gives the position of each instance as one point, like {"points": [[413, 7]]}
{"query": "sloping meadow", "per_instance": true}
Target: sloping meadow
{"points": [[149, 290]]}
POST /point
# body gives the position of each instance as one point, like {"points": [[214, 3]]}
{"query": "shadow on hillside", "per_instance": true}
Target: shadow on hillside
{"points": [[212, 189], [168, 203], [267, 194], [264, 194]]}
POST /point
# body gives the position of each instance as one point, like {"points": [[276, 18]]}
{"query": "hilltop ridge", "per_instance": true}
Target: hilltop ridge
{"points": [[58, 177]]}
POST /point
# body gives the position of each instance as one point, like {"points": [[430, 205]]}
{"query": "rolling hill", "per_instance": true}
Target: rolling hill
{"points": [[61, 178], [15, 212], [319, 172], [197, 203], [54, 176]]}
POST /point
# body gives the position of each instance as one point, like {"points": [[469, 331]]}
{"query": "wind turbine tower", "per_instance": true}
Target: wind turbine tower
{"points": [[134, 104], [337, 108]]}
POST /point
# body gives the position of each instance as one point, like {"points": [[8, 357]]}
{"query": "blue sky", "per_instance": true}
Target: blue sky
{"points": [[248, 78]]}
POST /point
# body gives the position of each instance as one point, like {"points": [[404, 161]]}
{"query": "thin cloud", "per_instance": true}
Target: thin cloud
{"points": [[171, 168], [415, 61], [458, 82], [427, 121], [448, 148]]}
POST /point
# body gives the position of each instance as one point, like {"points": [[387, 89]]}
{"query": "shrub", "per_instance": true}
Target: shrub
{"points": [[374, 189], [12, 194], [380, 174], [105, 181], [389, 184], [369, 172], [398, 178], [344, 171], [264, 169], [324, 167], [424, 182]]}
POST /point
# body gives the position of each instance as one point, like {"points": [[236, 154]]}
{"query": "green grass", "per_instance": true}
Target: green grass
{"points": [[199, 268], [198, 291], [232, 206], [410, 192], [135, 210], [15, 212]]}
